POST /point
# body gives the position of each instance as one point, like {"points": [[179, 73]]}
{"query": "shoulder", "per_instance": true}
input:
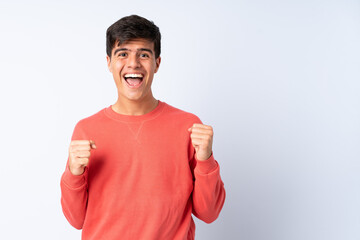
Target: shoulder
{"points": [[181, 115], [91, 120], [86, 127]]}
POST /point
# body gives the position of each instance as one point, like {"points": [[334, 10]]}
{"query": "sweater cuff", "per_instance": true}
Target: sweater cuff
{"points": [[206, 166], [73, 181]]}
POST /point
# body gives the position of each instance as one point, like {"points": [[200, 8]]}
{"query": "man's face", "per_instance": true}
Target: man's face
{"points": [[133, 66]]}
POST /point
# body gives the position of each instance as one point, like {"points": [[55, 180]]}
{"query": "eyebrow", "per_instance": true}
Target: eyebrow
{"points": [[139, 49]]}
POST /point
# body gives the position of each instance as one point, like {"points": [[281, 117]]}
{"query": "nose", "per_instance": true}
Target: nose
{"points": [[133, 61]]}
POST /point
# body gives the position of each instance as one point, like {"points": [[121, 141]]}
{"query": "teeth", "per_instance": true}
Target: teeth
{"points": [[133, 75]]}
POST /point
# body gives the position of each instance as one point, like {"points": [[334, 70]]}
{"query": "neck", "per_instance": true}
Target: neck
{"points": [[134, 108]]}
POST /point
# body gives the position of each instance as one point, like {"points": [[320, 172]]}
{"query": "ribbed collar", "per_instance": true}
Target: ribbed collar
{"points": [[109, 112]]}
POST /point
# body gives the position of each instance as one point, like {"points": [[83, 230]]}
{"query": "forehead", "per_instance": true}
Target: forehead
{"points": [[134, 44]]}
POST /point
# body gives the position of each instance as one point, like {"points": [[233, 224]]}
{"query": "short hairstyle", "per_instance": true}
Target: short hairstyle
{"points": [[130, 28]]}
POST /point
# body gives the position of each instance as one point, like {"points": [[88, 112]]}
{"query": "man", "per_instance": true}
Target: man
{"points": [[139, 168]]}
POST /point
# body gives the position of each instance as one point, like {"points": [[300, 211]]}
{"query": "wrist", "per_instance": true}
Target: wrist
{"points": [[77, 171], [202, 158], [206, 166]]}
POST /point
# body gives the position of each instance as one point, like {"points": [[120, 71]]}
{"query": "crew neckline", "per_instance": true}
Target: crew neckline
{"points": [[134, 118]]}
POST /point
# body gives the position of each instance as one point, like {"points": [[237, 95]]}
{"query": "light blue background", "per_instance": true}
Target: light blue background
{"points": [[278, 80]]}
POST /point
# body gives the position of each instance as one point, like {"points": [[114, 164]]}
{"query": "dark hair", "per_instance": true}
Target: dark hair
{"points": [[132, 27]]}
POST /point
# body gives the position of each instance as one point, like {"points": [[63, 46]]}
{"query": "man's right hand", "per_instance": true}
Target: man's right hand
{"points": [[79, 154]]}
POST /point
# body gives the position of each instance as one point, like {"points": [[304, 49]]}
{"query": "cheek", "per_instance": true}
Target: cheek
{"points": [[117, 65], [117, 68], [154, 68]]}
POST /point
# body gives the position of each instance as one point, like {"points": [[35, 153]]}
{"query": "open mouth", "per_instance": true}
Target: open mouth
{"points": [[133, 79]]}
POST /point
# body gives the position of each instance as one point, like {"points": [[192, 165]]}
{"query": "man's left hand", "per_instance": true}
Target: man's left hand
{"points": [[202, 138]]}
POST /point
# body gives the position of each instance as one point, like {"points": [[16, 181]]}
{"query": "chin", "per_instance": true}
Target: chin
{"points": [[134, 97]]}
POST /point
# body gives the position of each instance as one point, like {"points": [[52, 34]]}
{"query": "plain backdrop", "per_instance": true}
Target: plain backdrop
{"points": [[278, 80]]}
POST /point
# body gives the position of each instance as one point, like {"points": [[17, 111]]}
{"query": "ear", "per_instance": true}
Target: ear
{"points": [[157, 62], [108, 62]]}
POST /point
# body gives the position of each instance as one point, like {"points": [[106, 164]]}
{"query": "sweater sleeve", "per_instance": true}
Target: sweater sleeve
{"points": [[74, 192], [209, 192]]}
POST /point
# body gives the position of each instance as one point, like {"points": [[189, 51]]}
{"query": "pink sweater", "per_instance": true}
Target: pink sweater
{"points": [[143, 181]]}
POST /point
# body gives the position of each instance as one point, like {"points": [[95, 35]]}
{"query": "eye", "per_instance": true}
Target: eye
{"points": [[144, 55], [122, 54]]}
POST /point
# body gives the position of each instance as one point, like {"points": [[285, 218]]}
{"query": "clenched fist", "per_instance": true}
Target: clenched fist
{"points": [[79, 154], [202, 138]]}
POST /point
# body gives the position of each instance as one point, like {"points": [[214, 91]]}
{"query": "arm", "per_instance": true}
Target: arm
{"points": [[209, 192], [74, 190], [74, 197]]}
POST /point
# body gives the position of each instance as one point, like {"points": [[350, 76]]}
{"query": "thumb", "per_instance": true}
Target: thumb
{"points": [[92, 144], [196, 147]]}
